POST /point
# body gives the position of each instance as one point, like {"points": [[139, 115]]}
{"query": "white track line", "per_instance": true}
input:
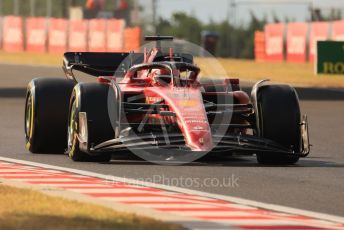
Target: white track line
{"points": [[277, 208], [214, 213], [140, 199], [257, 223], [175, 206], [75, 186], [42, 180]]}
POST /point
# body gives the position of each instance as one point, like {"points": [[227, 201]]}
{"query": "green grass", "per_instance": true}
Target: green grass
{"points": [[291, 73]]}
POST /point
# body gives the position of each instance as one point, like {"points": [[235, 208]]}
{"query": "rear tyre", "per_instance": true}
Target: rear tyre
{"points": [[279, 120], [91, 98], [46, 114]]}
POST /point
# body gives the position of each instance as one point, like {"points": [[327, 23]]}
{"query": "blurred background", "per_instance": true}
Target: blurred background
{"points": [[231, 24]]}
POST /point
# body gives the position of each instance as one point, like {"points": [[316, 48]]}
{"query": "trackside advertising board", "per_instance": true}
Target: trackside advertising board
{"points": [[274, 42], [96, 35], [296, 42], [36, 34], [338, 30], [57, 35], [330, 57], [115, 35], [77, 38], [13, 36], [319, 32]]}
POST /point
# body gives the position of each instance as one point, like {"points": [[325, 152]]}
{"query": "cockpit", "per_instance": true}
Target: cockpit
{"points": [[166, 73], [182, 74], [162, 67]]}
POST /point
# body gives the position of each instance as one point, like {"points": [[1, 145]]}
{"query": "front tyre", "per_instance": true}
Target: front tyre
{"points": [[279, 120], [91, 99]]}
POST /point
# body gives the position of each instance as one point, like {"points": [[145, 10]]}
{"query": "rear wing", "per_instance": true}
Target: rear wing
{"points": [[110, 64], [99, 64]]}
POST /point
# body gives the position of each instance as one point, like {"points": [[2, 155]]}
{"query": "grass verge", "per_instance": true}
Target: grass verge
{"points": [[27, 209], [291, 73], [301, 74], [27, 58]]}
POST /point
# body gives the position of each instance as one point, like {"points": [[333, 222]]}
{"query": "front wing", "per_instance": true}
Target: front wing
{"points": [[239, 144]]}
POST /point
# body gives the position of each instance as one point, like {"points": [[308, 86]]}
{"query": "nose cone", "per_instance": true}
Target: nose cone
{"points": [[193, 122], [200, 140], [187, 103]]}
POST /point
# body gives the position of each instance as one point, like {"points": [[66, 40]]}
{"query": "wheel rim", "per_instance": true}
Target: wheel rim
{"points": [[72, 128], [28, 116]]}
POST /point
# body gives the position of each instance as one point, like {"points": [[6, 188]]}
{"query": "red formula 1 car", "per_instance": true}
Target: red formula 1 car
{"points": [[160, 109]]}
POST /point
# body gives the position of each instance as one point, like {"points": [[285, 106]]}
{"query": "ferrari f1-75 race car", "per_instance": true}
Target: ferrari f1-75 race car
{"points": [[154, 102]]}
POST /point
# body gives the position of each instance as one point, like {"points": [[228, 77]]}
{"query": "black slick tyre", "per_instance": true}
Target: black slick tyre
{"points": [[92, 99], [279, 120], [46, 114]]}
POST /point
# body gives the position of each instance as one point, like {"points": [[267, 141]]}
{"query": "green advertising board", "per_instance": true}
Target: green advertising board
{"points": [[330, 57]]}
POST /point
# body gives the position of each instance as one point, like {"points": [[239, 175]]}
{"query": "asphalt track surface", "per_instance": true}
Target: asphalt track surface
{"points": [[316, 183]]}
